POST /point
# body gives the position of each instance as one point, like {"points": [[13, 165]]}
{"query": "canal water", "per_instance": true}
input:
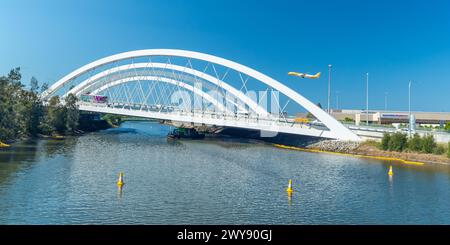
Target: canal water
{"points": [[212, 181]]}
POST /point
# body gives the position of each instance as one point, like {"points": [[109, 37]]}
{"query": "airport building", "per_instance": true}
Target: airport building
{"points": [[389, 117]]}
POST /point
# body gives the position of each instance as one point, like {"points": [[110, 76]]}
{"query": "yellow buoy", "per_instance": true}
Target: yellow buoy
{"points": [[390, 173], [120, 181], [289, 189]]}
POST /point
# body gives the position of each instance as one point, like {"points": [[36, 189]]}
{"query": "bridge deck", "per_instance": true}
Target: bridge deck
{"points": [[267, 123]]}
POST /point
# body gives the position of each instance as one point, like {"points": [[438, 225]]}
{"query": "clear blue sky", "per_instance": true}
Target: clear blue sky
{"points": [[394, 42]]}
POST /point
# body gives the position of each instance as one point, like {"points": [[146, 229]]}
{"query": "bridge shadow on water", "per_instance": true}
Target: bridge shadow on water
{"points": [[277, 138]]}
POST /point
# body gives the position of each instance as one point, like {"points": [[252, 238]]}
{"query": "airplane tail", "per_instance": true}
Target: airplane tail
{"points": [[317, 75]]}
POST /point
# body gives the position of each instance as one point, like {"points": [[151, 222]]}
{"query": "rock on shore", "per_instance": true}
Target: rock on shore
{"points": [[335, 146]]}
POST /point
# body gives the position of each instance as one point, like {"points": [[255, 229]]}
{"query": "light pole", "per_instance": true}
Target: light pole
{"points": [[409, 108], [329, 86], [367, 98]]}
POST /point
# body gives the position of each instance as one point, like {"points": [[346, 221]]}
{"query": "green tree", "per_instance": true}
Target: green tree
{"points": [[44, 87], [22, 113], [385, 141], [448, 150], [30, 112], [72, 112], [398, 142], [348, 119], [14, 76], [415, 143], [34, 85], [56, 116], [6, 110], [439, 150], [428, 144], [447, 126], [45, 124], [11, 90], [113, 120]]}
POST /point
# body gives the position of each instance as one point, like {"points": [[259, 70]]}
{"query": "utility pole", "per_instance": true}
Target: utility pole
{"points": [[329, 87], [367, 98]]}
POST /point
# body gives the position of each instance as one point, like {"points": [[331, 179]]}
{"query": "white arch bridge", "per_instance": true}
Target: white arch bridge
{"points": [[192, 88]]}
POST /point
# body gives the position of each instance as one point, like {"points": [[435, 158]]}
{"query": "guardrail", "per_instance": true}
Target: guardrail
{"points": [[272, 120]]}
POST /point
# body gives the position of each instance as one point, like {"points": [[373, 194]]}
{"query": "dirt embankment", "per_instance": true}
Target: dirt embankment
{"points": [[369, 149], [410, 156]]}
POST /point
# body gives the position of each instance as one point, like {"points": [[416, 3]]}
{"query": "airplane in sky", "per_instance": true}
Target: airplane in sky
{"points": [[304, 75]]}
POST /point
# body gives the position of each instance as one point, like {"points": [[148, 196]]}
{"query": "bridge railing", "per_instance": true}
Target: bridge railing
{"points": [[270, 120]]}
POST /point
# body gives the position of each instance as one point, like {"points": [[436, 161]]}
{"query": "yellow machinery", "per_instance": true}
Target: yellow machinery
{"points": [[301, 120]]}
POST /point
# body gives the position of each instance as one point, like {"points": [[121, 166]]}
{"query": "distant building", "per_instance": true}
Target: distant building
{"points": [[389, 117]]}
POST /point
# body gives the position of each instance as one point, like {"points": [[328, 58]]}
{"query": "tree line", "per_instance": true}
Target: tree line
{"points": [[400, 142], [23, 114]]}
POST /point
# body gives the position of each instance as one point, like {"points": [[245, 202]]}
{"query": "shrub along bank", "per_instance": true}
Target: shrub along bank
{"points": [[400, 142]]}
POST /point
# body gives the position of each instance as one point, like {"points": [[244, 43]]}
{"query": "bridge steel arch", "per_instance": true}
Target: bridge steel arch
{"points": [[86, 84], [165, 80], [337, 130]]}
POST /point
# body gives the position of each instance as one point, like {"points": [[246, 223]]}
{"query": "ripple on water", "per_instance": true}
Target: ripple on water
{"points": [[214, 181]]}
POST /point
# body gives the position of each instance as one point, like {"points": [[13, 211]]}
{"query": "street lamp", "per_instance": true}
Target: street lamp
{"points": [[367, 98], [329, 86], [409, 107]]}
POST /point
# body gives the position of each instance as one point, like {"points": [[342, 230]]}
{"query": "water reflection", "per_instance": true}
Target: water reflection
{"points": [[214, 181], [12, 159], [119, 191], [289, 195], [391, 179], [22, 156], [53, 147]]}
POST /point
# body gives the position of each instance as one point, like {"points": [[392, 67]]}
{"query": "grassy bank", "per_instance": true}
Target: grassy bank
{"points": [[372, 148], [416, 144]]}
